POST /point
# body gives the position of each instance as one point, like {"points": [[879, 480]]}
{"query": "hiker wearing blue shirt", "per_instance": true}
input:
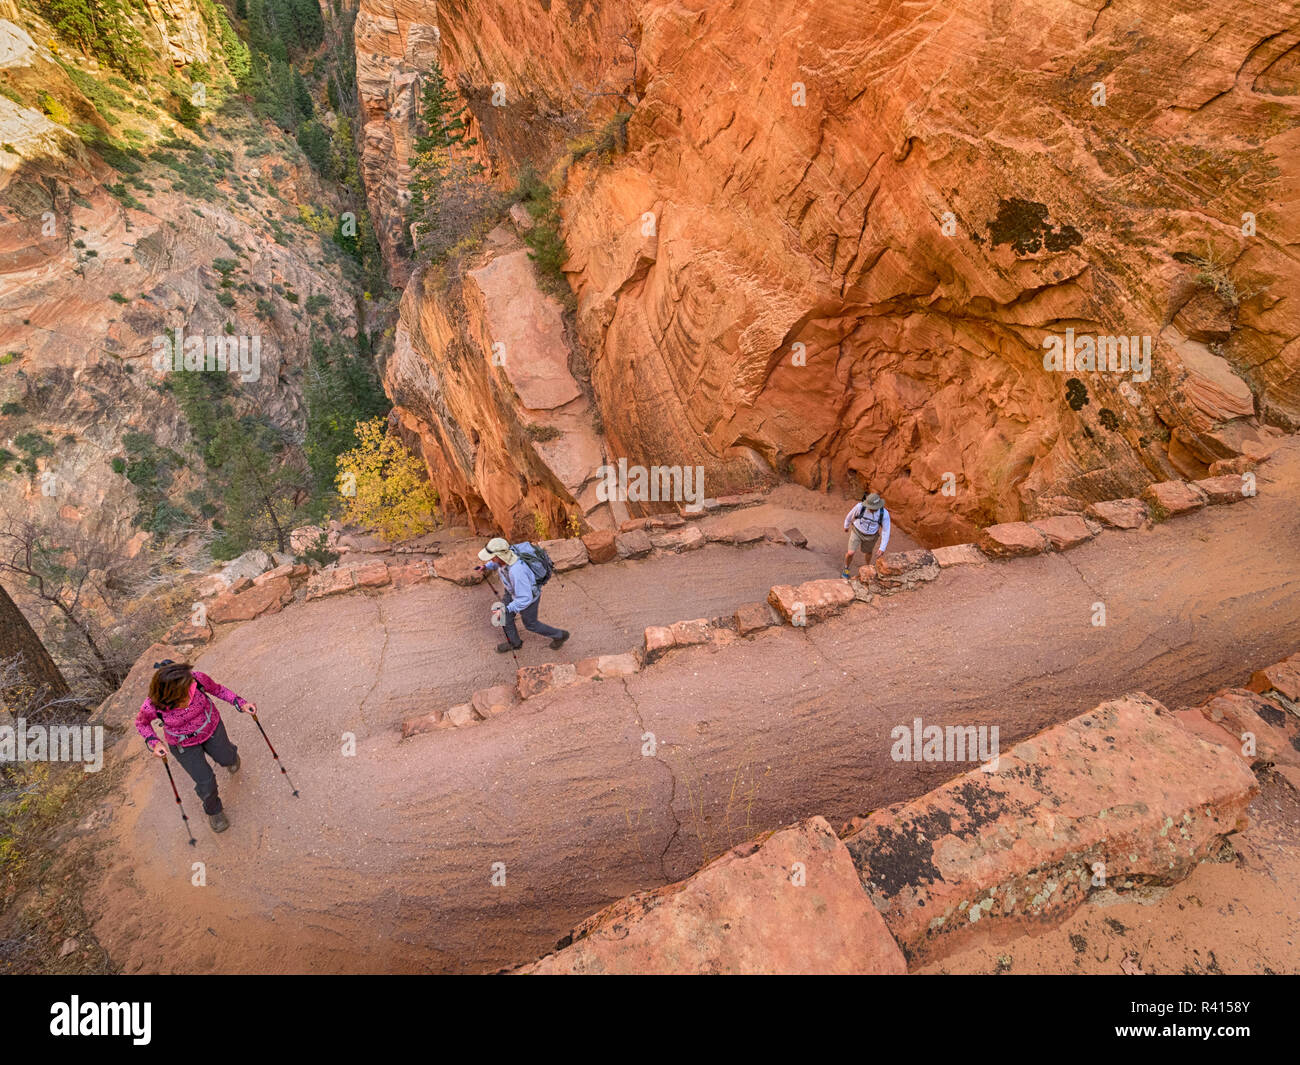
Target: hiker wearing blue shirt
{"points": [[522, 591], [870, 528]]}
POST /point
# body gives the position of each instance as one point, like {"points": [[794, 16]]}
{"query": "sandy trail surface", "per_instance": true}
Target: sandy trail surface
{"points": [[477, 848]]}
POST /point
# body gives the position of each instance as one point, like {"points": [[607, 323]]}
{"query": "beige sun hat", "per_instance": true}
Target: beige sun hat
{"points": [[498, 547]]}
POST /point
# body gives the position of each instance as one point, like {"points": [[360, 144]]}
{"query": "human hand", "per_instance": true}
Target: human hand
{"points": [[158, 750]]}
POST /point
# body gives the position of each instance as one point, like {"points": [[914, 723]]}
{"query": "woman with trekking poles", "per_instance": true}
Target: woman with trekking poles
{"points": [[192, 730]]}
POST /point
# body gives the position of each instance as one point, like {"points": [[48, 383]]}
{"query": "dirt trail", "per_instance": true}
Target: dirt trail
{"points": [[387, 862]]}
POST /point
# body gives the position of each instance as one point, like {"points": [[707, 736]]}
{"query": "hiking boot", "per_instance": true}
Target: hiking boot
{"points": [[233, 769], [845, 574], [558, 642], [218, 821], [506, 648]]}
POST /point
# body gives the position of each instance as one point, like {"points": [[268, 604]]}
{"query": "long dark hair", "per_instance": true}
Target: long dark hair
{"points": [[170, 686]]}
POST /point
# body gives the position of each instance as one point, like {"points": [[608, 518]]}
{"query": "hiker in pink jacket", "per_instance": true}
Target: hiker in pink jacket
{"points": [[192, 729]]}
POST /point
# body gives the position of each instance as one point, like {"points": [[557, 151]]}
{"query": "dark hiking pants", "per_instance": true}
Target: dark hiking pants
{"points": [[529, 614], [195, 760]]}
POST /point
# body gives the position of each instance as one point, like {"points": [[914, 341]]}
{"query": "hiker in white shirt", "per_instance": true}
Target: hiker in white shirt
{"points": [[868, 527]]}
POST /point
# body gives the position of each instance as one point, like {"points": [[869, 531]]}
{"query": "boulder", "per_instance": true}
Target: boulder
{"points": [[899, 563], [1123, 791], [788, 904], [538, 680], [462, 714], [1239, 464], [1220, 490], [488, 702], [690, 633], [333, 580], [184, 634], [1064, 531], [404, 576], [1283, 677], [459, 567], [268, 598], [632, 524], [633, 544], [608, 667], [1169, 498], [371, 574], [958, 555], [658, 642], [751, 535], [1248, 715], [754, 617], [430, 722], [566, 554], [248, 565], [600, 546], [796, 538], [1119, 513], [1012, 539], [295, 572], [810, 601], [688, 538]]}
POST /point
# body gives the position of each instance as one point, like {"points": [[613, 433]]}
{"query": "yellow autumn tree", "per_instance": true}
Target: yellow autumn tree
{"points": [[384, 486]]}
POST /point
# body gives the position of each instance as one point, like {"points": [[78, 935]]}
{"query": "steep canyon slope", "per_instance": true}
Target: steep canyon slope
{"points": [[839, 234]]}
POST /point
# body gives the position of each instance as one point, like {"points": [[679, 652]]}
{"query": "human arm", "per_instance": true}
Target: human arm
{"points": [[222, 692], [523, 586], [884, 531], [144, 725]]}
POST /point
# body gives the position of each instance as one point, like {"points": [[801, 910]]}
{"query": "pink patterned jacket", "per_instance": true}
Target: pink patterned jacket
{"points": [[189, 725]]}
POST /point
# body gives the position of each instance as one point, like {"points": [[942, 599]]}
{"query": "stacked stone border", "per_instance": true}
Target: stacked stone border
{"points": [[812, 601]]}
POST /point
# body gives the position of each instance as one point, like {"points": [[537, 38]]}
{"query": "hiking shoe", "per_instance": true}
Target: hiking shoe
{"points": [[506, 648], [845, 574], [218, 821], [558, 642], [233, 769]]}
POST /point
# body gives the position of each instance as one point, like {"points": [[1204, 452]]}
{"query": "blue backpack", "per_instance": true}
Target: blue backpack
{"points": [[537, 560]]}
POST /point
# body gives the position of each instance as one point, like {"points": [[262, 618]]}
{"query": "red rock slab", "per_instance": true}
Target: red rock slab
{"points": [[459, 567], [1064, 531], [1119, 513], [333, 581], [566, 554], [810, 601], [1012, 539], [788, 904], [1225, 489], [185, 633], [268, 598], [430, 722], [750, 535], [665, 521], [1239, 464], [371, 575], [959, 555], [795, 538], [600, 546], [1169, 498], [538, 680], [754, 617], [688, 538], [991, 855], [488, 702], [633, 544], [690, 633], [658, 642], [411, 573], [1283, 677], [1248, 715], [899, 563], [294, 571]]}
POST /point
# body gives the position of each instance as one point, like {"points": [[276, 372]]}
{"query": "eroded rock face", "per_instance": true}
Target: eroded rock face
{"points": [[818, 262], [481, 382], [790, 903], [1124, 785]]}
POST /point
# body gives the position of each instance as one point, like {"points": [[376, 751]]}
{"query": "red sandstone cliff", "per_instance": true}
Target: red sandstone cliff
{"points": [[800, 161]]}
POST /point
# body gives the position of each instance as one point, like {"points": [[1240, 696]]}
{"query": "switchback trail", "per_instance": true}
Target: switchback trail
{"points": [[477, 848]]}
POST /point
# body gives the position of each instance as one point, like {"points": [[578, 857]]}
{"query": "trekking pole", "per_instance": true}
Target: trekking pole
{"points": [[172, 779], [493, 593], [274, 755]]}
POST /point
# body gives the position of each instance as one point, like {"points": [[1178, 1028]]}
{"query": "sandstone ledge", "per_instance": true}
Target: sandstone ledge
{"points": [[1123, 790]]}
